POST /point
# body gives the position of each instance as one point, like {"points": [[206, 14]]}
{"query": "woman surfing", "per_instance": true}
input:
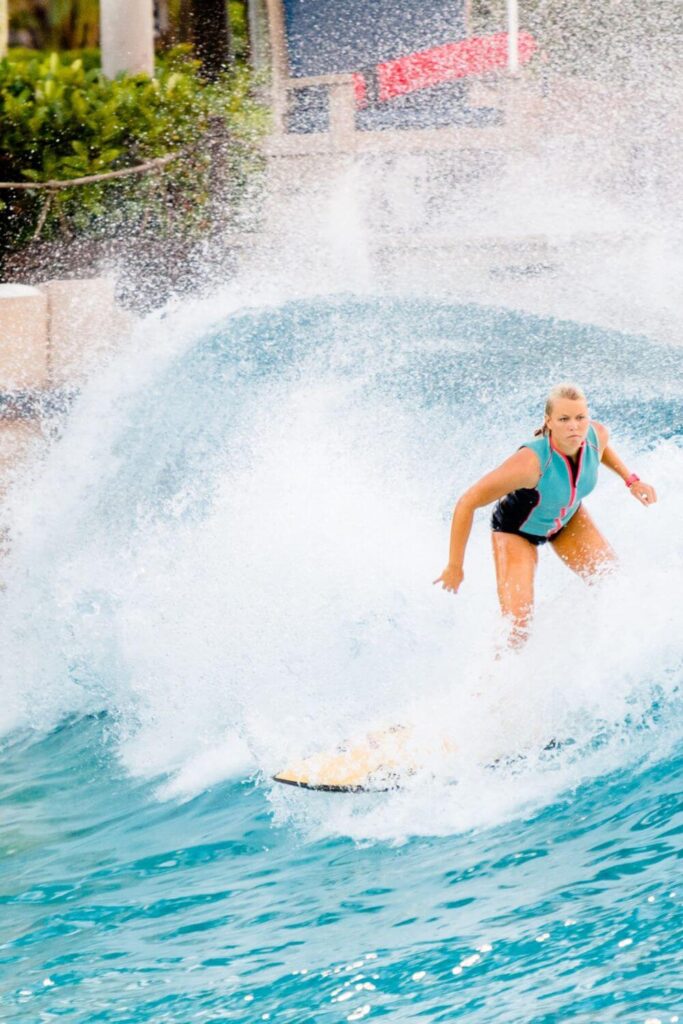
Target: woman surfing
{"points": [[538, 493]]}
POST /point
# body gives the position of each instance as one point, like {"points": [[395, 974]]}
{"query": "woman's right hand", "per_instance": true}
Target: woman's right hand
{"points": [[451, 578]]}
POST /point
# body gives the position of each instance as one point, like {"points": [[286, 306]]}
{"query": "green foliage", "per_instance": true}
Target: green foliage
{"points": [[60, 118], [90, 55]]}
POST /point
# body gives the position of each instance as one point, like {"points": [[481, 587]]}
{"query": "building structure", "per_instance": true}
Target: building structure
{"points": [[445, 163], [421, 110], [342, 76]]}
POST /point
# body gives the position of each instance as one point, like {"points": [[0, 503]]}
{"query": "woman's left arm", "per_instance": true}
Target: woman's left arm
{"points": [[643, 492]]}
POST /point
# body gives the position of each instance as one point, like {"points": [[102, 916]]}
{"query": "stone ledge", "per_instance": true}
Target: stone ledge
{"points": [[54, 334]]}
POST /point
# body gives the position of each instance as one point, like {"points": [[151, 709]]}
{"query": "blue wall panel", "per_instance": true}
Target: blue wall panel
{"points": [[336, 36]]}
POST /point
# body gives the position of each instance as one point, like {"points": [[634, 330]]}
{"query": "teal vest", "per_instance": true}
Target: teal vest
{"points": [[559, 493]]}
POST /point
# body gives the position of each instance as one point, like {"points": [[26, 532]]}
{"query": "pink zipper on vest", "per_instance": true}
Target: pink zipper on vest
{"points": [[573, 483]]}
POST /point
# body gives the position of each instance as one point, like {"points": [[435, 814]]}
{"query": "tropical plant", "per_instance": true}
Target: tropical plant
{"points": [[60, 118]]}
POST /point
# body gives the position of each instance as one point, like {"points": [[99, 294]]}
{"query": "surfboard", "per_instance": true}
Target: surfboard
{"points": [[375, 764], [381, 762]]}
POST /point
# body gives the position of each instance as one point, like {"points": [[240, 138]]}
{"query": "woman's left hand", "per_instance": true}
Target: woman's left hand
{"points": [[645, 493]]}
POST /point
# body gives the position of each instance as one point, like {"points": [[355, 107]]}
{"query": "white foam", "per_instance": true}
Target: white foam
{"points": [[299, 610]]}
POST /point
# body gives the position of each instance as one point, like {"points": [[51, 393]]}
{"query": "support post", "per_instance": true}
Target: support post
{"points": [[258, 46], [280, 69], [513, 36], [127, 37], [4, 28]]}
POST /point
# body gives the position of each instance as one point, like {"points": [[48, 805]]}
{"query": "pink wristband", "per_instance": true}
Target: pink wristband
{"points": [[631, 480]]}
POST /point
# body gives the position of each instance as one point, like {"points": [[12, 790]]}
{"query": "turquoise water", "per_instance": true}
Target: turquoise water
{"points": [[118, 908], [231, 565]]}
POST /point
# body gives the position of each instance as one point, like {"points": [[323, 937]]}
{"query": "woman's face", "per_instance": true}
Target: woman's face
{"points": [[568, 422]]}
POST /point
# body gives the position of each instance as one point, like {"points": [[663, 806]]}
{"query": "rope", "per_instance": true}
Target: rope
{"points": [[150, 165]]}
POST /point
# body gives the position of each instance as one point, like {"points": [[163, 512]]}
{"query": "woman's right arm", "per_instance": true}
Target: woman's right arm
{"points": [[521, 470]]}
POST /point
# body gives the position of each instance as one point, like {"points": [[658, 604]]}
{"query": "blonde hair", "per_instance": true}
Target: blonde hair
{"points": [[570, 391]]}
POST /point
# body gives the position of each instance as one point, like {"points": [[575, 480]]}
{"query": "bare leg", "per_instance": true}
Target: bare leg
{"points": [[582, 547], [515, 560]]}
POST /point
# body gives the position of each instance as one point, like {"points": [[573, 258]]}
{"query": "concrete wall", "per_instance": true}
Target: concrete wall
{"points": [[51, 337], [23, 338]]}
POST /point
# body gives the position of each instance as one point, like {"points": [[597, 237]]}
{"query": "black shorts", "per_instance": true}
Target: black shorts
{"points": [[512, 511]]}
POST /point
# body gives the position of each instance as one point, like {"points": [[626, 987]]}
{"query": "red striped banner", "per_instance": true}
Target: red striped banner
{"points": [[473, 56]]}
